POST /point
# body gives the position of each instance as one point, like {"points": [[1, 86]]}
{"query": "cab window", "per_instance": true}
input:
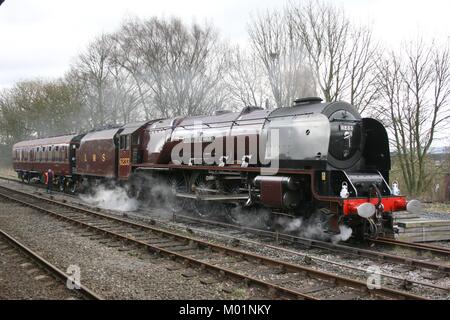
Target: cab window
{"points": [[125, 142]]}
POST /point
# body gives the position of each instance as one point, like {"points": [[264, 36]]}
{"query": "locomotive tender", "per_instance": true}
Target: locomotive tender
{"points": [[310, 158]]}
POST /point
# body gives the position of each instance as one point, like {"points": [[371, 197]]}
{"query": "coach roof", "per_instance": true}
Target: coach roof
{"points": [[45, 141]]}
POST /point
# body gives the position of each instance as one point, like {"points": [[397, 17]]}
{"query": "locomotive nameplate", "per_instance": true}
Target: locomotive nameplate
{"points": [[124, 161]]}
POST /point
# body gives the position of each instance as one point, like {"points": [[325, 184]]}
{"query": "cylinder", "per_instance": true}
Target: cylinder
{"points": [[286, 182]]}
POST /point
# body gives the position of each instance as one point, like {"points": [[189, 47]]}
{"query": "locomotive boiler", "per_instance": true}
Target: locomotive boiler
{"points": [[299, 161]]}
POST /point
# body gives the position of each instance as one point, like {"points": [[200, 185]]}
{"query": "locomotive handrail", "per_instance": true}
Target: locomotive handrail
{"points": [[387, 185], [351, 183], [236, 122], [341, 119]]}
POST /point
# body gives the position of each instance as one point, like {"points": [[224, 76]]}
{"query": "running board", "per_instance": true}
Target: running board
{"points": [[213, 197]]}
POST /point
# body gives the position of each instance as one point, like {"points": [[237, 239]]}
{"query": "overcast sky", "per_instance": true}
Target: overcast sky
{"points": [[41, 38]]}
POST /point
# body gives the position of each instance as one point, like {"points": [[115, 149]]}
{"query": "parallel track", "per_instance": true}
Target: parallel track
{"points": [[282, 279], [420, 247], [47, 266]]}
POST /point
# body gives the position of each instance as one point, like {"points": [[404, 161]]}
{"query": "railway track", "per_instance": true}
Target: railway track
{"points": [[281, 279], [419, 247], [47, 274], [267, 239], [348, 249], [38, 185]]}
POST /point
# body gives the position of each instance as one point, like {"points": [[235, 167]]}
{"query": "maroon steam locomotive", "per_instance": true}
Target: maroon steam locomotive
{"points": [[299, 160]]}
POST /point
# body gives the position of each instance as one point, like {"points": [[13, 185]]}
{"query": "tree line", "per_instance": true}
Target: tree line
{"points": [[163, 67]]}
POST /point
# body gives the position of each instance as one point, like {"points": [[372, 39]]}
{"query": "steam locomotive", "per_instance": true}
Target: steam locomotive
{"points": [[307, 159]]}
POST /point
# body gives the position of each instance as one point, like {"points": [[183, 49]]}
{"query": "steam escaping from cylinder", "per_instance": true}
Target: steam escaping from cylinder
{"points": [[148, 192], [254, 218], [315, 227], [344, 235], [294, 225], [115, 198], [312, 228]]}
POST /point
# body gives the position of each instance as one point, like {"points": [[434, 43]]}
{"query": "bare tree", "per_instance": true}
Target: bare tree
{"points": [[415, 90], [247, 80], [92, 70], [342, 56], [127, 55], [362, 91], [273, 40], [125, 96], [181, 66]]}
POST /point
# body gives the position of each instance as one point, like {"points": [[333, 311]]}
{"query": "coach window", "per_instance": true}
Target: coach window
{"points": [[57, 157]]}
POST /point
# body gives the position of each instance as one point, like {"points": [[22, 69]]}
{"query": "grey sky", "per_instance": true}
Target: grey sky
{"points": [[41, 38]]}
